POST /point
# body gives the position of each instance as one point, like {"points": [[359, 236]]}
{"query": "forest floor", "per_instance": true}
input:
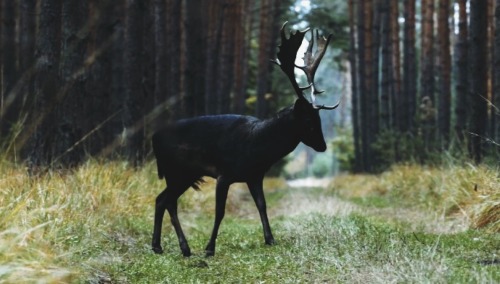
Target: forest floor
{"points": [[410, 224]]}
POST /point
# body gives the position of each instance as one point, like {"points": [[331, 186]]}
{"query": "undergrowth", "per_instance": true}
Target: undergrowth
{"points": [[94, 223], [469, 190]]}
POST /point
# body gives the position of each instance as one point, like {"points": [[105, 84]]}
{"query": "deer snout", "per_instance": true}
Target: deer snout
{"points": [[320, 148]]}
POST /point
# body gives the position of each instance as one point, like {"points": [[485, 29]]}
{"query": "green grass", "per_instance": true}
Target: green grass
{"points": [[94, 225]]}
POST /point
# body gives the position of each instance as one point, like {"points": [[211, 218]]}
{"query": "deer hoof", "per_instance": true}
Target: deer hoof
{"points": [[270, 242], [186, 253], [158, 250]]}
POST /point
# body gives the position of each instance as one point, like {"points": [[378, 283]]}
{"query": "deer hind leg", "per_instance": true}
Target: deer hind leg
{"points": [[220, 205], [167, 200], [257, 192]]}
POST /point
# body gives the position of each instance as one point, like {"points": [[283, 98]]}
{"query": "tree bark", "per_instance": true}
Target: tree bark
{"points": [[371, 101], [69, 112], [427, 120], [215, 25], [174, 57], [242, 56], [46, 83], [496, 73], [462, 74], [10, 102], [161, 63], [478, 74], [444, 102], [353, 60], [226, 57], [134, 97], [386, 93], [27, 68], [194, 73], [407, 115], [396, 101], [265, 34]]}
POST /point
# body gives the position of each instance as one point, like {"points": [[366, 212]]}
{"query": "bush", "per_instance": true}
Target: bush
{"points": [[322, 165], [343, 149]]}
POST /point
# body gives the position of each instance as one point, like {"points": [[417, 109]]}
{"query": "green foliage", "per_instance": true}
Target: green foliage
{"points": [[329, 17], [343, 149], [322, 165], [392, 147]]}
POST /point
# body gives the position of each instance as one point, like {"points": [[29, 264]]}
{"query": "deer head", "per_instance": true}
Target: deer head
{"points": [[306, 112]]}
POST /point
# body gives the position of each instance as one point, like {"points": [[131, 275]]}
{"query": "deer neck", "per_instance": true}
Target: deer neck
{"points": [[278, 135]]}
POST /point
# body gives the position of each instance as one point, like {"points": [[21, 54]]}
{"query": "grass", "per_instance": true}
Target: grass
{"points": [[472, 192], [94, 224]]}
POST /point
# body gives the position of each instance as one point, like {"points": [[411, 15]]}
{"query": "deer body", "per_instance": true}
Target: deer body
{"points": [[230, 145], [232, 148]]}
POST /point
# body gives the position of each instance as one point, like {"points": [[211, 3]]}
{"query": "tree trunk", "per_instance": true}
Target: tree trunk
{"points": [[462, 74], [478, 74], [490, 132], [27, 68], [215, 26], [174, 40], [46, 83], [242, 56], [10, 102], [226, 57], [362, 84], [396, 101], [371, 101], [194, 75], [108, 95], [69, 112], [386, 65], [427, 108], [265, 34], [355, 87], [161, 63], [148, 69], [427, 50], [374, 84], [369, 122], [132, 68], [407, 115], [496, 74], [444, 104]]}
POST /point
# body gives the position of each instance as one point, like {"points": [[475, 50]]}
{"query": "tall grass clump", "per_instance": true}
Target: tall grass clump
{"points": [[48, 223], [66, 225], [469, 190]]}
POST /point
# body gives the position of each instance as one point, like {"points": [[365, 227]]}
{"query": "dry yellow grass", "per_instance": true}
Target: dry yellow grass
{"points": [[40, 218], [45, 221], [472, 191]]}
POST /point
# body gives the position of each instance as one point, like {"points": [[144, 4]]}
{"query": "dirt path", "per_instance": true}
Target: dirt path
{"points": [[299, 202]]}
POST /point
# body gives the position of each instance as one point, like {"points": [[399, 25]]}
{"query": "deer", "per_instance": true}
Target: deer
{"points": [[237, 148]]}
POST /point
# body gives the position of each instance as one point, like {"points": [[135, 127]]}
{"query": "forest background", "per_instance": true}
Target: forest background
{"points": [[96, 78]]}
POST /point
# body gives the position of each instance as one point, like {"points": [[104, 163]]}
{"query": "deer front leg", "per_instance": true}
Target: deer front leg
{"points": [[257, 192], [220, 205]]}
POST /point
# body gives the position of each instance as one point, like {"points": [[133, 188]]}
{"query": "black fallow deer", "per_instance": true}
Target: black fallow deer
{"points": [[237, 148]]}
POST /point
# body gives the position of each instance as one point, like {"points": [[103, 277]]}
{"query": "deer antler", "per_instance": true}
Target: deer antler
{"points": [[288, 53], [311, 65]]}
